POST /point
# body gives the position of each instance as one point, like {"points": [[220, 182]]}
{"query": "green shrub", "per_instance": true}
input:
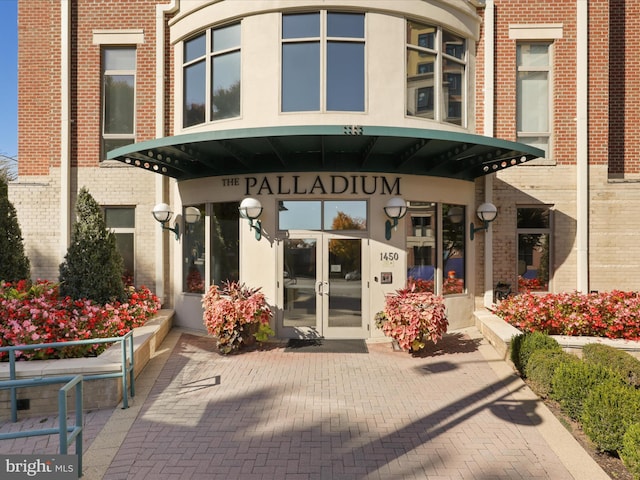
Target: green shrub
{"points": [[609, 409], [622, 362], [92, 267], [630, 452], [523, 345], [14, 264], [541, 366], [573, 381]]}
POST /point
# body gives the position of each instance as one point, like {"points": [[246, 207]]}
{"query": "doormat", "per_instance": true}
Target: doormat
{"points": [[322, 345]]}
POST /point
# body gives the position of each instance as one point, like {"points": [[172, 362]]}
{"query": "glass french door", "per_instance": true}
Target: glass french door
{"points": [[321, 287]]}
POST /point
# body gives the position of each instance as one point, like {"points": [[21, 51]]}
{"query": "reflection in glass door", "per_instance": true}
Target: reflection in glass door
{"points": [[322, 287], [344, 292], [300, 283]]}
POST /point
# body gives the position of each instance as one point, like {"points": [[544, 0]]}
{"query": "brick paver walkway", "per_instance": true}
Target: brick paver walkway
{"points": [[271, 414]]}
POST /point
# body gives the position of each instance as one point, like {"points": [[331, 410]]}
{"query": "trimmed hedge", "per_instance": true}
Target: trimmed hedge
{"points": [[607, 413], [573, 381], [622, 362], [630, 452], [524, 344], [541, 366]]}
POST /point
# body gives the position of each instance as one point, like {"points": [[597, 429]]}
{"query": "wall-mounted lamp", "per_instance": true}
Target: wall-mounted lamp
{"points": [[455, 214], [395, 209], [487, 212], [251, 209], [162, 213]]}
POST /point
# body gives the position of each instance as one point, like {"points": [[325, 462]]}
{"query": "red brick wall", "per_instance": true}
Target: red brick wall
{"points": [[39, 78], [38, 86], [509, 12], [624, 91]]}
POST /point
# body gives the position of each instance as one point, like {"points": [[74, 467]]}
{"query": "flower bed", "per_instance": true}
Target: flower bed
{"points": [[33, 314], [613, 314]]}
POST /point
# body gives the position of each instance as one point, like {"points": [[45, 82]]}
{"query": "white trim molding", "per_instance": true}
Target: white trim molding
{"points": [[118, 37], [536, 31]]}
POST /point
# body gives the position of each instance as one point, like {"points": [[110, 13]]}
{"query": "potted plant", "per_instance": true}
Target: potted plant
{"points": [[236, 315], [412, 316]]}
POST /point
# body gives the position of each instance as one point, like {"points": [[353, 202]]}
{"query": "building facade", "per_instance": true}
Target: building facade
{"points": [[329, 151]]}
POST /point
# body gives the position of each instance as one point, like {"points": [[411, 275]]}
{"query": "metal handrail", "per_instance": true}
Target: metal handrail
{"points": [[127, 373], [67, 434]]}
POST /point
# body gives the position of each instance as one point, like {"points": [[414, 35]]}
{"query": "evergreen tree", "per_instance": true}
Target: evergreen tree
{"points": [[93, 266], [14, 264]]}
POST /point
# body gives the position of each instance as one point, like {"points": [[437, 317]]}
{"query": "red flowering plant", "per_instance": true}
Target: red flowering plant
{"points": [[412, 316], [236, 315], [36, 314], [614, 314]]}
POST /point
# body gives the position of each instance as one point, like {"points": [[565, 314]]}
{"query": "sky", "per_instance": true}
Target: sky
{"points": [[9, 78]]}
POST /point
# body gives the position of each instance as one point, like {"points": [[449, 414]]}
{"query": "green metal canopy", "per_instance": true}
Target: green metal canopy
{"points": [[351, 148]]}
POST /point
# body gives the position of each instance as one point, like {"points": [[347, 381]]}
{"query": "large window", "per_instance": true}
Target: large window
{"points": [[118, 97], [211, 79], [122, 222], [533, 95], [323, 62], [423, 246], [222, 249], [436, 73], [534, 237], [322, 215]]}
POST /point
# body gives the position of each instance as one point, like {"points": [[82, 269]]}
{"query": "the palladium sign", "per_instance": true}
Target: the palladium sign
{"points": [[318, 185]]}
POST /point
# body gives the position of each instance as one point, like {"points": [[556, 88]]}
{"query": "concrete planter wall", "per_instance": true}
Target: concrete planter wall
{"points": [[105, 393]]}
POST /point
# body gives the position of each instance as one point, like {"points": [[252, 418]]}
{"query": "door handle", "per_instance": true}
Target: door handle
{"points": [[319, 288]]}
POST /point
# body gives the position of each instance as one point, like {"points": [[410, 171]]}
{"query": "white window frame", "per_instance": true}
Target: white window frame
{"points": [[323, 40], [536, 33], [439, 113], [124, 230], [104, 74], [208, 57]]}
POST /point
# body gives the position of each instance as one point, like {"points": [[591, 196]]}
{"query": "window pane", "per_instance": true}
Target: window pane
{"points": [[300, 77], [533, 102], [226, 37], [349, 25], [420, 83], [225, 242], [421, 244], [113, 143], [533, 262], [194, 254], [299, 215], [453, 45], [195, 48], [347, 215], [226, 86], [532, 55], [453, 249], [541, 142], [301, 25], [452, 84], [533, 217], [345, 76], [421, 35], [125, 245], [120, 217], [194, 94], [119, 59], [119, 98]]}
